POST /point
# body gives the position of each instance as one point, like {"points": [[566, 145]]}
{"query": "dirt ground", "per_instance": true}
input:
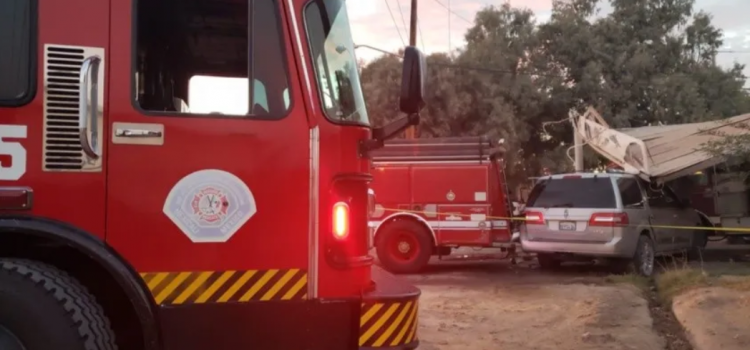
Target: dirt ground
{"points": [[494, 305], [715, 318], [559, 317]]}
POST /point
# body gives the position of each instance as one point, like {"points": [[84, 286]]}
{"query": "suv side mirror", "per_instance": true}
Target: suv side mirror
{"points": [[413, 81]]}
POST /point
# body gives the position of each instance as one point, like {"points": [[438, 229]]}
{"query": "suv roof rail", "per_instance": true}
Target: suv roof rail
{"points": [[438, 149]]}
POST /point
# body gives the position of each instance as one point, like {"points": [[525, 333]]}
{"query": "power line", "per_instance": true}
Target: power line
{"points": [[393, 18], [401, 12], [421, 37], [734, 51], [492, 70], [464, 67], [453, 12]]}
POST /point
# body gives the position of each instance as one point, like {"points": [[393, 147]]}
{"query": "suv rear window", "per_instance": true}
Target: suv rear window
{"points": [[595, 193], [17, 52]]}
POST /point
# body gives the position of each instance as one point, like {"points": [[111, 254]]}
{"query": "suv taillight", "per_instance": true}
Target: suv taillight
{"points": [[609, 219], [534, 218]]}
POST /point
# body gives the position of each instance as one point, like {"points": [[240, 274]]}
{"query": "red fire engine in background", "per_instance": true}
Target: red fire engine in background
{"points": [[437, 194], [134, 214]]}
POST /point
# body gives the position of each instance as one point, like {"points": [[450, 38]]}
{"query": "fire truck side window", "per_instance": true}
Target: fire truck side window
{"points": [[332, 51], [18, 32], [195, 57]]}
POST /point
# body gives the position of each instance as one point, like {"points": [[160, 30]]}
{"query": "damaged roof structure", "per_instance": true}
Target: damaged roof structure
{"points": [[658, 153]]}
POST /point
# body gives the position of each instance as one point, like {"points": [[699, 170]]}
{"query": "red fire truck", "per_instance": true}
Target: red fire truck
{"points": [[434, 195], [151, 197]]}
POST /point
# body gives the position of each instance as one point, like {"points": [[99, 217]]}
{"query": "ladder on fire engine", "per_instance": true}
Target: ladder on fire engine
{"points": [[449, 149]]}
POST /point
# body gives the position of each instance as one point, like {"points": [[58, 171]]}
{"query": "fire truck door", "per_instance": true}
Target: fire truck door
{"points": [[205, 190]]}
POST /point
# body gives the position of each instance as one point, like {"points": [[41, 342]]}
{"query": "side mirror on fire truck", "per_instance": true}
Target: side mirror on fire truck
{"points": [[413, 81], [410, 102]]}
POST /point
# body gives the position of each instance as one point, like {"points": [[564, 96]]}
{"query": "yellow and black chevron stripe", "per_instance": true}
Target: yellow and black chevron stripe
{"points": [[388, 324], [199, 287]]}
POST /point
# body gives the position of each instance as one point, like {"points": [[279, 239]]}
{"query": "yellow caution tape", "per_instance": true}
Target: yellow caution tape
{"points": [[738, 230]]}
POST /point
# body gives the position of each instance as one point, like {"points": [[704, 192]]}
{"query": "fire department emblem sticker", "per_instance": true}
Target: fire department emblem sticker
{"points": [[210, 205], [450, 196]]}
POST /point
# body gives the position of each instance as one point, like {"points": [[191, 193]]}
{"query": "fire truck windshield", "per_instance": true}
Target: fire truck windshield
{"points": [[335, 65]]}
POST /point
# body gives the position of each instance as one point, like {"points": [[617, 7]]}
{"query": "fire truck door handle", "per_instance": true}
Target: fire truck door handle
{"points": [[137, 133], [88, 103]]}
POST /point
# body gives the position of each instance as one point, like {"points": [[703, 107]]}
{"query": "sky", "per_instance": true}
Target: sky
{"points": [[372, 23]]}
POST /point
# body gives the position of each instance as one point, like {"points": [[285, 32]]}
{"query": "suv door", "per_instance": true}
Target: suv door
{"points": [[664, 213], [634, 204]]}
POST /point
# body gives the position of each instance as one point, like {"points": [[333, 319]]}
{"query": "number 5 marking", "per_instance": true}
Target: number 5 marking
{"points": [[13, 149]]}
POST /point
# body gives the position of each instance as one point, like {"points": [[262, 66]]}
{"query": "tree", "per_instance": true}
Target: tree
{"points": [[647, 62]]}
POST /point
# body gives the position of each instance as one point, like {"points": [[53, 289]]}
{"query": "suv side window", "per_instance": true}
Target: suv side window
{"points": [[18, 32], [658, 198], [630, 192]]}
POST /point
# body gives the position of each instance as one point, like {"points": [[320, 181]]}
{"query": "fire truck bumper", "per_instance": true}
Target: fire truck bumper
{"points": [[389, 313]]}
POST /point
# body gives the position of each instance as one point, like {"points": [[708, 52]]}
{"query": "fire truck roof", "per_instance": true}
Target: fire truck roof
{"points": [[439, 149]]}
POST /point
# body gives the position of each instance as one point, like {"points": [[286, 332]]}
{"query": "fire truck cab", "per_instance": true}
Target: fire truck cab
{"points": [[434, 195], [191, 174]]}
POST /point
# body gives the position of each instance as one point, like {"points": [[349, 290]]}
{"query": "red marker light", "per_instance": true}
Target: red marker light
{"points": [[340, 220], [15, 198]]}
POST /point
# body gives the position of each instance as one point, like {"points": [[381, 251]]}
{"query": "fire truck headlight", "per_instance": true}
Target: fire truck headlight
{"points": [[340, 220]]}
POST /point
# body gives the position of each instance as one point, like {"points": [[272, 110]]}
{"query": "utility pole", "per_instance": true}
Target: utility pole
{"points": [[411, 131]]}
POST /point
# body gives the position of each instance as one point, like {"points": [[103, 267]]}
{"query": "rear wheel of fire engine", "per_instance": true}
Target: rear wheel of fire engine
{"points": [[44, 308], [548, 261], [700, 239], [404, 246]]}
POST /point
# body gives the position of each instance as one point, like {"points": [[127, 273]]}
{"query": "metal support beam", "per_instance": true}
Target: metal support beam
{"points": [[577, 143]]}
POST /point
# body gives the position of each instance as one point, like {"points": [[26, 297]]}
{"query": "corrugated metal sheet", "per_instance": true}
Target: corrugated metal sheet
{"points": [[676, 150]]}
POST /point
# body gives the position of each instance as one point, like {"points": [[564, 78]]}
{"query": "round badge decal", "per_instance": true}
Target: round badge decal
{"points": [[210, 205], [450, 196]]}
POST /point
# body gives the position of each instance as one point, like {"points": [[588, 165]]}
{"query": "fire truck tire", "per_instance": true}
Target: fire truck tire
{"points": [[700, 240], [548, 261], [404, 246], [42, 307]]}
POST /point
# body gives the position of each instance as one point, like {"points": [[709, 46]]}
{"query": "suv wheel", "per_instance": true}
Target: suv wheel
{"points": [[643, 261]]}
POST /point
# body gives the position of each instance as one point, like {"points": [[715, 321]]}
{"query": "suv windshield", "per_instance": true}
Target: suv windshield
{"points": [[334, 62], [596, 193]]}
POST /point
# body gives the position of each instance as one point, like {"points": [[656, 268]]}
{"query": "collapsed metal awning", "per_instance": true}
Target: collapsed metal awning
{"points": [[658, 153]]}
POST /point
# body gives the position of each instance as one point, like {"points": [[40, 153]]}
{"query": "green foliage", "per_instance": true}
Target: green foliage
{"points": [[646, 62]]}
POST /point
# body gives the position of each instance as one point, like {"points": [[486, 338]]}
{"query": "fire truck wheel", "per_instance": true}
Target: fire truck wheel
{"points": [[404, 246], [700, 239], [44, 308], [548, 261]]}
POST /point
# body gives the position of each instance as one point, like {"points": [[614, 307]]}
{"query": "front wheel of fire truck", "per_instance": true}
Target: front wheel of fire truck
{"points": [[404, 246], [44, 308]]}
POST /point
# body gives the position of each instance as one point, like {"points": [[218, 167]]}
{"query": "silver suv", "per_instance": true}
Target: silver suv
{"points": [[610, 215]]}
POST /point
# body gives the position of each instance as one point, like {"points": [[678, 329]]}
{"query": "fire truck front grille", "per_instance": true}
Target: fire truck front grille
{"points": [[62, 143]]}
